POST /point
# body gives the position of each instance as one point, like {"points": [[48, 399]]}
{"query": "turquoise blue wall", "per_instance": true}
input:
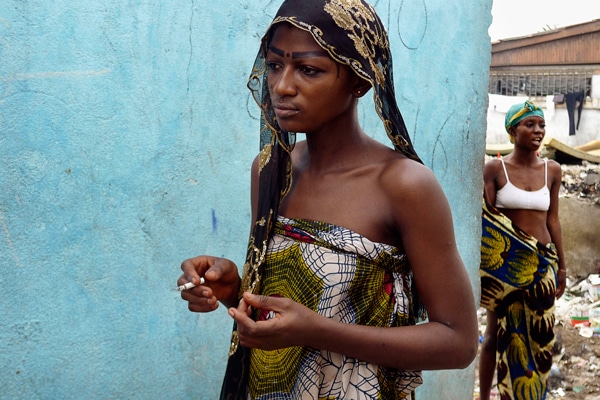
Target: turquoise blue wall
{"points": [[126, 136]]}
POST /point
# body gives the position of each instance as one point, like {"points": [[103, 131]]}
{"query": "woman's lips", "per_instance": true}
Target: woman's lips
{"points": [[284, 111]]}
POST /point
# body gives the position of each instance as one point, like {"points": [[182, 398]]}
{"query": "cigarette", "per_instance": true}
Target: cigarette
{"points": [[189, 285]]}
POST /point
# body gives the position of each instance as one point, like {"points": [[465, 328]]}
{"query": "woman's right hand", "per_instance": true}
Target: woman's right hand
{"points": [[221, 283]]}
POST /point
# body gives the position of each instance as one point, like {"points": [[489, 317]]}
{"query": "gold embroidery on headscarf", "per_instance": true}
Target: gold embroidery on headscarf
{"points": [[317, 34], [251, 276], [235, 341], [264, 157], [255, 258], [358, 19]]}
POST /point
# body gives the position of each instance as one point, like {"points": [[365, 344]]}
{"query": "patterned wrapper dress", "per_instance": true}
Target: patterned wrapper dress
{"points": [[518, 283], [343, 276]]}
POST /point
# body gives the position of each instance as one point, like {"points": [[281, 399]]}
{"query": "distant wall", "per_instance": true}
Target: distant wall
{"points": [[126, 137], [557, 120]]}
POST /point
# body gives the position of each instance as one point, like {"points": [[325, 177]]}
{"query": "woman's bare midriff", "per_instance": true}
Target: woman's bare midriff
{"points": [[531, 221]]}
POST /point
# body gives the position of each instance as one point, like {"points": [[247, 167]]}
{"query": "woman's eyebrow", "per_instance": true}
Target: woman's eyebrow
{"points": [[298, 54]]}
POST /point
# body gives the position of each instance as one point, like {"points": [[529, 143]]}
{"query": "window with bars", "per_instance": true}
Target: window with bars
{"points": [[539, 83]]}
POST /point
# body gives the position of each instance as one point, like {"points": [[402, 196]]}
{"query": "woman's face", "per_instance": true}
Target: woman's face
{"points": [[529, 132], [310, 92]]}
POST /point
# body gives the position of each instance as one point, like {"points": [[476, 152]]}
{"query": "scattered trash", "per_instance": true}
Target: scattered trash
{"points": [[581, 181], [575, 373], [586, 331], [555, 371], [595, 320], [580, 320], [578, 389]]}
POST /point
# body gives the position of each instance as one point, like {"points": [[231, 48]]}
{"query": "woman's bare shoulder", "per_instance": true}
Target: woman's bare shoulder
{"points": [[408, 179], [555, 170], [554, 166], [493, 163]]}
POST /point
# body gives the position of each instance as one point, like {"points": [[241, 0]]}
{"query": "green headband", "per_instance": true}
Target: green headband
{"points": [[519, 112]]}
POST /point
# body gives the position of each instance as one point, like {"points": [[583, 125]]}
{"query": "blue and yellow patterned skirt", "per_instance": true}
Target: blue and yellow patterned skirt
{"points": [[518, 283]]}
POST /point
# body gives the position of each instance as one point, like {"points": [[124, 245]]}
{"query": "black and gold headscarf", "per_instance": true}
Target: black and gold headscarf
{"points": [[353, 34]]}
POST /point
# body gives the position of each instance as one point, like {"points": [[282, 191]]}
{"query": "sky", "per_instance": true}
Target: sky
{"points": [[513, 18]]}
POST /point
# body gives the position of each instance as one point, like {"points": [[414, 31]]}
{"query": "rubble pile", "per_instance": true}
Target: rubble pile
{"points": [[582, 182]]}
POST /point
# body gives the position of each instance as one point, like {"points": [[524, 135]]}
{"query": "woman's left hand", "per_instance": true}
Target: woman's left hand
{"points": [[287, 328], [561, 284]]}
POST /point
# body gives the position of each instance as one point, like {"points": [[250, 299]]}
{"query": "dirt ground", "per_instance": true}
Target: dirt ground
{"points": [[578, 372]]}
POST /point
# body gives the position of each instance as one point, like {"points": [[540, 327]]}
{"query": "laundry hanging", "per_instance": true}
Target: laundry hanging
{"points": [[574, 100]]}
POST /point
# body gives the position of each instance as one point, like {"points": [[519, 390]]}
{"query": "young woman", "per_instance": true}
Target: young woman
{"points": [[522, 264], [351, 241]]}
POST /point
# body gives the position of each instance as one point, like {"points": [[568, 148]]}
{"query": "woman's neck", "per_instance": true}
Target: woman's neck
{"points": [[525, 158], [333, 152]]}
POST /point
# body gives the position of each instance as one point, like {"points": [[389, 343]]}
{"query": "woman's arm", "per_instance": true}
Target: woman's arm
{"points": [[553, 224], [490, 173], [424, 219]]}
